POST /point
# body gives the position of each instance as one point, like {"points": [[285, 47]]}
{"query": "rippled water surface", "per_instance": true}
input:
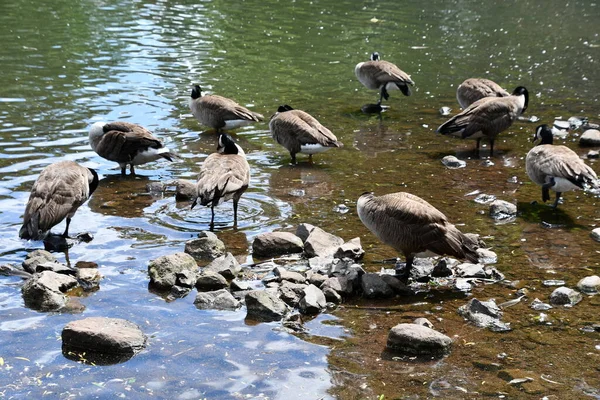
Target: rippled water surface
{"points": [[67, 64]]}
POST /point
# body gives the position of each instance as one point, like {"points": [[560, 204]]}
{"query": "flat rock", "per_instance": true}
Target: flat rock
{"points": [[595, 234], [304, 230], [453, 163], [271, 244], [163, 270], [238, 285], [264, 306], [352, 249], [104, 335], [589, 284], [185, 190], [465, 270], [285, 275], [501, 210], [210, 281], [321, 244], [36, 257], [565, 296], [590, 137], [424, 322], [226, 265], [485, 314], [313, 301], [55, 266], [486, 256], [206, 247], [216, 300], [373, 286], [418, 340], [45, 291]]}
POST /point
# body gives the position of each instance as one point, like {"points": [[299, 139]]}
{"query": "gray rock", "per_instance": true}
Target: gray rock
{"points": [[593, 154], [453, 163], [423, 322], [441, 269], [104, 335], [589, 284], [332, 296], [271, 244], [493, 273], [321, 244], [321, 264], [463, 284], [216, 300], [485, 314], [36, 257], [418, 339], [315, 278], [225, 265], [351, 272], [565, 296], [340, 284], [352, 249], [591, 137], [501, 210], [185, 190], [373, 286], [422, 269], [595, 234], [163, 270], [237, 285], [313, 301], [155, 187], [538, 305], [210, 281], [178, 292], [264, 306], [45, 291], [291, 293], [88, 278], [465, 270], [55, 266], [285, 275], [186, 279], [206, 248], [304, 230], [486, 256], [397, 285]]}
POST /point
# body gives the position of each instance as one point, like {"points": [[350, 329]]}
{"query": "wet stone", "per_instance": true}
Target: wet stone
{"points": [[185, 278], [237, 285], [88, 278], [422, 269], [418, 339], [485, 314], [589, 284], [53, 266], [452, 162], [593, 154], [226, 265], [595, 234], [493, 273], [397, 285], [501, 210], [285, 275], [352, 249], [373, 286], [486, 256], [45, 291], [321, 264], [539, 305], [216, 300], [553, 282], [210, 281], [178, 292], [340, 284], [163, 270], [313, 301], [264, 306], [332, 296], [271, 244], [304, 230], [185, 190], [316, 279], [463, 285], [321, 244], [565, 296], [590, 137], [206, 248], [36, 257], [104, 335]]}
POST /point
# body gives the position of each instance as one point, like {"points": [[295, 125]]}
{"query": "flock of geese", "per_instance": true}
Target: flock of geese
{"points": [[404, 221]]}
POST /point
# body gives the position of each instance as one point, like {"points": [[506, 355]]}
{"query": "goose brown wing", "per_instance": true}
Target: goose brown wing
{"points": [[409, 209], [229, 109], [123, 140], [384, 71], [311, 131], [560, 161]]}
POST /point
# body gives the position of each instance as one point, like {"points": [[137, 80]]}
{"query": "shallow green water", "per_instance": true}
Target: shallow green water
{"points": [[68, 64]]}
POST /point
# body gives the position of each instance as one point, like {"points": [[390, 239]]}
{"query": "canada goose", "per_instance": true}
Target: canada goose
{"points": [[220, 112], [556, 167], [224, 176], [299, 132], [411, 225], [56, 194], [487, 117], [382, 75], [473, 89], [127, 143]]}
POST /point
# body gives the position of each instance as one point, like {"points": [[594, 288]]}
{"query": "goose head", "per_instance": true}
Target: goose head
{"points": [[196, 92], [226, 145], [543, 135], [375, 56], [522, 91]]}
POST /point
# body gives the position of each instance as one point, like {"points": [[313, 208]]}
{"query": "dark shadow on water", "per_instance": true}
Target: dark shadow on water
{"points": [[546, 215], [93, 358]]}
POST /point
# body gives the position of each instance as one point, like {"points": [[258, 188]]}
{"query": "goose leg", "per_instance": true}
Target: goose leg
{"points": [[406, 273], [491, 147], [477, 146], [132, 170], [123, 170], [546, 190], [235, 208], [66, 232], [293, 158], [212, 217], [310, 157], [557, 199]]}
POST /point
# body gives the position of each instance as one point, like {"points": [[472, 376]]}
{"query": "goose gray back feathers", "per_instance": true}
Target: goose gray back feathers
{"points": [[556, 167], [383, 75], [127, 144], [220, 112], [300, 132], [474, 89], [56, 194], [411, 225]]}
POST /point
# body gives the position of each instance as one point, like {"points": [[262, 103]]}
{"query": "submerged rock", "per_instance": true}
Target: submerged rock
{"points": [[589, 284], [501, 210], [225, 265], [216, 300], [104, 335], [565, 296], [45, 291], [418, 339], [206, 248], [163, 270], [590, 137], [313, 301], [453, 163], [271, 244], [485, 314], [264, 306]]}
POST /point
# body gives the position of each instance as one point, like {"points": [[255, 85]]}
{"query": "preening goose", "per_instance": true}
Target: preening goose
{"points": [[127, 144], [56, 194], [299, 132], [556, 167], [382, 75], [219, 112], [487, 117], [412, 226], [224, 176], [473, 89]]}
